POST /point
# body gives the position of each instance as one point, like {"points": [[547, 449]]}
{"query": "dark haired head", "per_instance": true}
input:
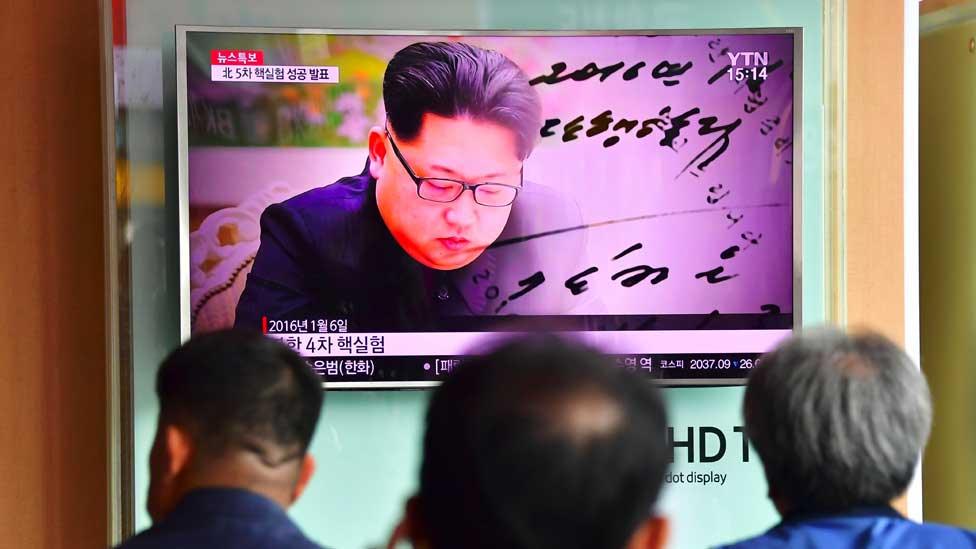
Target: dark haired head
{"points": [[241, 391], [541, 443], [452, 79], [839, 421]]}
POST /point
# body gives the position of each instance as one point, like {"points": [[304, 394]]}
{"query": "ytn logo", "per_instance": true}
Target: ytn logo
{"points": [[749, 58]]}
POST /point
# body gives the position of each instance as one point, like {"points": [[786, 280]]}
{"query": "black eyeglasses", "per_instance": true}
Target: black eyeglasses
{"points": [[439, 189]]}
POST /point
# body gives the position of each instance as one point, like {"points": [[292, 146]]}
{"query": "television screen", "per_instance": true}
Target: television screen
{"points": [[387, 202]]}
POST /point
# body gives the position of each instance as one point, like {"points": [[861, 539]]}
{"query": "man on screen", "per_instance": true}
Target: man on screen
{"points": [[404, 242]]}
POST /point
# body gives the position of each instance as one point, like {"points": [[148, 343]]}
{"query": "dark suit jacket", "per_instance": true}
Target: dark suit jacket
{"points": [[210, 518], [326, 253]]}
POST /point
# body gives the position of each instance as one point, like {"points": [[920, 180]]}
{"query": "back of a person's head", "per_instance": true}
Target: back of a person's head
{"points": [[236, 391], [541, 444], [838, 420]]}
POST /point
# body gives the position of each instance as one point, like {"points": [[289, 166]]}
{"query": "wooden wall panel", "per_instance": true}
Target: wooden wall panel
{"points": [[53, 482], [875, 166]]}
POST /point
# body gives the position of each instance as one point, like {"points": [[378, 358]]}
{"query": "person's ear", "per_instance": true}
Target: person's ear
{"points": [[177, 450], [410, 529], [171, 455], [304, 476], [377, 151], [652, 534]]}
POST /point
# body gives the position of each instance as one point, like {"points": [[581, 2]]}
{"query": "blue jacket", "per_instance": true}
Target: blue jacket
{"points": [[223, 517], [868, 528]]}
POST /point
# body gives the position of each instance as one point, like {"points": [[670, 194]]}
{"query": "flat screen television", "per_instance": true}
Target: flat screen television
{"points": [[389, 202]]}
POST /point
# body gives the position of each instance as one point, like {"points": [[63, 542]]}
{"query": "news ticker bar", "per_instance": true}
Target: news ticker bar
{"points": [[396, 371], [434, 344]]}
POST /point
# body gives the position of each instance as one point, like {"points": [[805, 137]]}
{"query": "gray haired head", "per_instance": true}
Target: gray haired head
{"points": [[838, 420], [453, 79]]}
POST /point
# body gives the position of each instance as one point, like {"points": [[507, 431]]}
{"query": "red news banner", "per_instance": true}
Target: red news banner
{"points": [[236, 57], [248, 66]]}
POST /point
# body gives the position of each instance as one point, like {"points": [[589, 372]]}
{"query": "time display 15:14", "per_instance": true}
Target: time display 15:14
{"points": [[740, 73]]}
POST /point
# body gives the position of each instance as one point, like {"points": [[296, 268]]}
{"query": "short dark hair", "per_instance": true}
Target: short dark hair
{"points": [[453, 79], [541, 443], [240, 390], [839, 421]]}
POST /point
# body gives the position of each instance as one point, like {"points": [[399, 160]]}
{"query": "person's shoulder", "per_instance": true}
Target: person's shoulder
{"points": [[763, 541], [280, 538], [289, 539], [541, 208], [931, 534], [343, 206], [538, 194], [138, 541], [851, 532], [346, 194], [154, 538]]}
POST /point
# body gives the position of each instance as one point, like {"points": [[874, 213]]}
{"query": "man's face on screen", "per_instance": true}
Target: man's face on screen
{"points": [[445, 235]]}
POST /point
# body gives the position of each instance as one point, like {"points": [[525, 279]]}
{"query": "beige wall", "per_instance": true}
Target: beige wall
{"points": [[874, 235], [947, 230], [52, 356]]}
